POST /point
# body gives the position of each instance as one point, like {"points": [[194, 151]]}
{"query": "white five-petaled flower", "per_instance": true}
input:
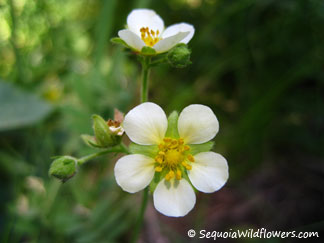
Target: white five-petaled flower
{"points": [[173, 159], [146, 28]]}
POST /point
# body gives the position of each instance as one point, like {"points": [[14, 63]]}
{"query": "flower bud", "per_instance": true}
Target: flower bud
{"points": [[63, 168], [179, 56], [105, 136]]}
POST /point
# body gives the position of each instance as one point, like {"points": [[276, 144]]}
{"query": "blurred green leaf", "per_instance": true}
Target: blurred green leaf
{"points": [[19, 108]]}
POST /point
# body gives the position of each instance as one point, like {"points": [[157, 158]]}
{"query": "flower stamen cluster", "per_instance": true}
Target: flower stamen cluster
{"points": [[174, 157], [115, 127], [150, 38]]}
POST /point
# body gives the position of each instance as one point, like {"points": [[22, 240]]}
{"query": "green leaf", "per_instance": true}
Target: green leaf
{"points": [[148, 150], [198, 148], [148, 51], [119, 41], [172, 130], [19, 108]]}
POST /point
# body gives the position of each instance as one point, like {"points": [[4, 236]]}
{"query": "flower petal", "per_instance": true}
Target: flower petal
{"points": [[139, 18], [131, 39], [174, 198], [134, 172], [209, 172], [146, 124], [197, 124], [167, 43], [176, 28]]}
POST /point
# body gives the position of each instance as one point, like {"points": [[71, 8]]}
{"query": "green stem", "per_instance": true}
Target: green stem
{"points": [[140, 217], [161, 60], [117, 149], [145, 73], [146, 65], [13, 41]]}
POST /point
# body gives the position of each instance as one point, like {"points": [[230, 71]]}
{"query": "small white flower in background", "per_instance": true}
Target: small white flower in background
{"points": [[146, 28], [175, 156]]}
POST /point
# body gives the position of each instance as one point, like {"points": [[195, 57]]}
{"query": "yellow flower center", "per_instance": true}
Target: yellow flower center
{"points": [[174, 158], [150, 37]]}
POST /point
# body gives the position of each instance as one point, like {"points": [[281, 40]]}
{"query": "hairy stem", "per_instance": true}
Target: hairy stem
{"points": [[146, 65], [145, 73], [139, 220], [117, 149]]}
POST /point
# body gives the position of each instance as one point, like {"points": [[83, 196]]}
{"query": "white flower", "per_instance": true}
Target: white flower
{"points": [[146, 28], [172, 159]]}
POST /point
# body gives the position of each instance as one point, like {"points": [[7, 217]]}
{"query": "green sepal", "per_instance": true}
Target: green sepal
{"points": [[104, 137], [198, 148], [148, 51], [172, 130], [156, 179], [90, 141], [148, 150], [119, 41], [158, 176], [63, 168]]}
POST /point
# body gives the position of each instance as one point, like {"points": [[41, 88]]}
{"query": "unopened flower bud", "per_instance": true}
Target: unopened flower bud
{"points": [[107, 134], [63, 168], [179, 56]]}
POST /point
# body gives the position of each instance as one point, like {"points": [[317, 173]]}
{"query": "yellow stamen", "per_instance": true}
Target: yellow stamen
{"points": [[186, 148], [161, 146], [159, 159], [167, 140], [178, 174], [170, 175], [190, 158], [173, 158], [184, 164], [150, 38], [158, 169]]}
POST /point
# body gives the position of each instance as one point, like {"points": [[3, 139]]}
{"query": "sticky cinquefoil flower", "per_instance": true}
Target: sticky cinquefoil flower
{"points": [[171, 155], [146, 28]]}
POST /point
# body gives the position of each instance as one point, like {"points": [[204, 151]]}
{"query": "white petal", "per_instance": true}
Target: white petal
{"points": [[139, 18], [167, 43], [197, 124], [174, 198], [131, 39], [134, 172], [209, 172], [176, 28], [146, 124]]}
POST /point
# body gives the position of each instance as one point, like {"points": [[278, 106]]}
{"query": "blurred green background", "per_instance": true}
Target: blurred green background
{"points": [[257, 63]]}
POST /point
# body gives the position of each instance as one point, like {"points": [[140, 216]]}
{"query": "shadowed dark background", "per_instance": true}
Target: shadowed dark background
{"points": [[257, 63]]}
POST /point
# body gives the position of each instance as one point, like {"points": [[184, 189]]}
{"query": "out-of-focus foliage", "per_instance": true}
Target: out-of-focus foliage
{"points": [[19, 109], [257, 63]]}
